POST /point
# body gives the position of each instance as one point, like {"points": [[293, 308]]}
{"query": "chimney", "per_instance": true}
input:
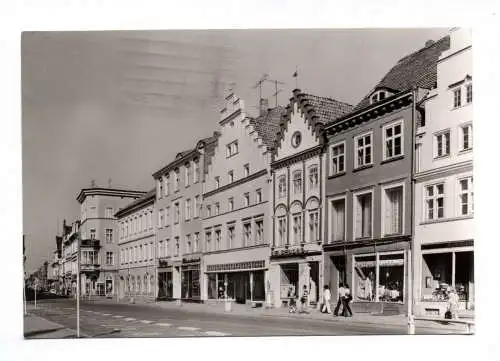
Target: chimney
{"points": [[429, 43], [263, 106]]}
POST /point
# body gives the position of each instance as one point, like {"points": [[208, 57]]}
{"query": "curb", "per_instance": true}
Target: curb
{"points": [[54, 329]]}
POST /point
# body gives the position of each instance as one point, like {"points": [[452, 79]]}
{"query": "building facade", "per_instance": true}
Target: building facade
{"points": [[444, 240], [136, 247], [98, 233], [179, 190], [237, 231], [298, 191], [69, 257], [369, 193]]}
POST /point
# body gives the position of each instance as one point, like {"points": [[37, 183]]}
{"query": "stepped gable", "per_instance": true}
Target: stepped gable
{"points": [[418, 69]]}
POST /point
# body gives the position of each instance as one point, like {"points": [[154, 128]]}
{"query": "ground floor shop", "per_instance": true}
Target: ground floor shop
{"points": [[240, 286], [137, 282], [376, 273], [441, 266], [291, 275], [180, 280]]}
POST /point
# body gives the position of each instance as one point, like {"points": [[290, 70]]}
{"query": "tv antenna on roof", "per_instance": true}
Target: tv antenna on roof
{"points": [[259, 83], [276, 90]]}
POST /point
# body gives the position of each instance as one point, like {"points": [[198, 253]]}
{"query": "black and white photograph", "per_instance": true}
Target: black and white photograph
{"points": [[248, 183]]}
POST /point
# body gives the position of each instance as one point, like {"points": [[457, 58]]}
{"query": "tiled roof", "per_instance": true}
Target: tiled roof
{"points": [[150, 194], [268, 125], [327, 109], [417, 69]]}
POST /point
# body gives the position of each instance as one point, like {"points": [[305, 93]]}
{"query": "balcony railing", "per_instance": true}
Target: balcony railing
{"points": [[95, 243]]}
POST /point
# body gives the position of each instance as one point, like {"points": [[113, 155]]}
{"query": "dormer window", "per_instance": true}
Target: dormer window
{"points": [[378, 96]]}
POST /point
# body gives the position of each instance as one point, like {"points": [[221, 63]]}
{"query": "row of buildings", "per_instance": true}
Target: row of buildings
{"points": [[378, 195]]}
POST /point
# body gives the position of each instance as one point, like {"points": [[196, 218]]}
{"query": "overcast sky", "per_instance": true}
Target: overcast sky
{"points": [[120, 105]]}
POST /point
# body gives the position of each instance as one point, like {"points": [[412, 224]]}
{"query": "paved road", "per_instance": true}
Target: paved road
{"points": [[123, 320]]}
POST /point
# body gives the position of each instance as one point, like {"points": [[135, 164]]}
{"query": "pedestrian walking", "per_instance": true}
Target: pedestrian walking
{"points": [[453, 303], [340, 301], [326, 300], [292, 304], [346, 311], [304, 300]]}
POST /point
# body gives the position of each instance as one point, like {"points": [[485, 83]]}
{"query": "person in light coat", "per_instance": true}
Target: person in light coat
{"points": [[326, 299]]}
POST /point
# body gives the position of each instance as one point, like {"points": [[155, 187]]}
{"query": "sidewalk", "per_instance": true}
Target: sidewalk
{"points": [[246, 310], [38, 327]]}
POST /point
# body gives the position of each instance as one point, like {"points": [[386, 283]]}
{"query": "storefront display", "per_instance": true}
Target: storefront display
{"points": [[165, 285], [238, 286], [387, 269]]}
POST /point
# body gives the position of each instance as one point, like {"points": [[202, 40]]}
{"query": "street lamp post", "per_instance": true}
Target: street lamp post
{"points": [[36, 284], [78, 286]]}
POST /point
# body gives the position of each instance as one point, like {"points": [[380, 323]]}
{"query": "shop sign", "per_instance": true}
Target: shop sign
{"points": [[391, 262], [287, 252], [236, 266], [191, 260]]}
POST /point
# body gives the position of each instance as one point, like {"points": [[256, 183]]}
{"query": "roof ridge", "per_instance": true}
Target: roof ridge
{"points": [[434, 43], [329, 98]]}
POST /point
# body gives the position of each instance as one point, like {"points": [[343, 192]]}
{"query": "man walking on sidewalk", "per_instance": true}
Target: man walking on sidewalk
{"points": [[326, 299], [340, 300]]}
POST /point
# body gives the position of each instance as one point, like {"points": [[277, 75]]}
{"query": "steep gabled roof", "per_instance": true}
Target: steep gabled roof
{"points": [[268, 125], [418, 69]]}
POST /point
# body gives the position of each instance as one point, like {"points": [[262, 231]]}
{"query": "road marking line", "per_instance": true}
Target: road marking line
{"points": [[118, 316], [146, 321], [185, 328], [163, 324], [129, 319], [106, 314], [146, 334], [217, 333]]}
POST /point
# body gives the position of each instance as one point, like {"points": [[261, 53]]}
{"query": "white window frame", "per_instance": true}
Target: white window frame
{"points": [[217, 239], [246, 199], [247, 236], [466, 86], [259, 240], [470, 195], [110, 241], [434, 197], [282, 189], [383, 197], [295, 190], [309, 172], [167, 216], [337, 158], [354, 205], [196, 205], [442, 133], [392, 138], [467, 126], [330, 220], [258, 196], [187, 205], [364, 147], [282, 219], [196, 240], [300, 235], [230, 235], [309, 236], [454, 92]]}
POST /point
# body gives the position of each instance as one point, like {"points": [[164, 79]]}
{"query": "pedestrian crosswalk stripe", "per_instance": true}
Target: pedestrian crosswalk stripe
{"points": [[163, 324], [106, 314], [185, 328], [217, 333], [118, 316], [129, 319], [146, 321]]}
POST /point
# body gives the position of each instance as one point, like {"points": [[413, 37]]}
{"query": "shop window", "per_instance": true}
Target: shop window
{"points": [[212, 286], [363, 286]]}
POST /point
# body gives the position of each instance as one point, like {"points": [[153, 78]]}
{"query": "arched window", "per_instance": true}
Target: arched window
{"points": [[282, 186]]}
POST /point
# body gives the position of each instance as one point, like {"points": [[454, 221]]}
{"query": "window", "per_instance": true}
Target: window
{"points": [[297, 182], [282, 230], [457, 97], [434, 201], [393, 140], [141, 252], [393, 212], [337, 152], [217, 182], [188, 209], [167, 185], [313, 225], [167, 216], [92, 234], [230, 204], [108, 212], [338, 220], [246, 197], [247, 234], [297, 228], [176, 180], [209, 211], [160, 187], [468, 88], [217, 239], [230, 236], [176, 212], [109, 235], [246, 170], [162, 218], [187, 174], [282, 186], [442, 144], [196, 245], [93, 212], [167, 247], [230, 176], [177, 246], [258, 196], [259, 226], [313, 177], [217, 208], [378, 96], [208, 240], [466, 197], [136, 254], [196, 173], [188, 243], [232, 149], [466, 137], [363, 150], [196, 206], [160, 249], [363, 215], [150, 219], [122, 259]]}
